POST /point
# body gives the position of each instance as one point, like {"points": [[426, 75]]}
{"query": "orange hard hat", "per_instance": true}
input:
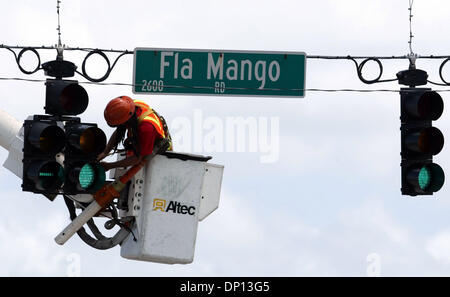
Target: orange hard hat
{"points": [[119, 110]]}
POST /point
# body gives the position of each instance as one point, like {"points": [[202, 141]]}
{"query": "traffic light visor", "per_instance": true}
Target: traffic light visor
{"points": [[429, 177], [65, 97], [47, 138], [88, 139], [87, 176], [74, 99], [430, 106], [47, 175], [92, 141], [430, 140]]}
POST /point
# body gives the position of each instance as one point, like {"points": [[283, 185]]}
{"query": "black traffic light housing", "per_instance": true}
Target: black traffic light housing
{"points": [[65, 97], [84, 143], [420, 141], [43, 139], [60, 133]]}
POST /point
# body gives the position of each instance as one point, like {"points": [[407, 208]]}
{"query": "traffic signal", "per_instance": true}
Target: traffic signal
{"points": [[84, 143], [43, 139], [65, 97], [61, 134], [420, 141]]}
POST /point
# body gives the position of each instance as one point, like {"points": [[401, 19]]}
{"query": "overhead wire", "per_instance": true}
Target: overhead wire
{"points": [[110, 66], [411, 2], [306, 89]]}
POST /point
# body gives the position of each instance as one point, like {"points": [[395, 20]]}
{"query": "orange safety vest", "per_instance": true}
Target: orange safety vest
{"points": [[148, 115]]}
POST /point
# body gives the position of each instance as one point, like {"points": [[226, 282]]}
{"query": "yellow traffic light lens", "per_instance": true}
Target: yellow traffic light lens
{"points": [[431, 141], [48, 138], [87, 141]]}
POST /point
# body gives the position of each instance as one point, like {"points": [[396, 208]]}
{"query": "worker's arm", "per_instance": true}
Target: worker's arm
{"points": [[111, 144], [128, 161], [147, 136]]}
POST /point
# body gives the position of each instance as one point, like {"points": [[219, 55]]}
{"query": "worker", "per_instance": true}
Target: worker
{"points": [[144, 128]]}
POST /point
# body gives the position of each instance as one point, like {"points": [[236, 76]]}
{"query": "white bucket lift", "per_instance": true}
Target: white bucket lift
{"points": [[168, 198]]}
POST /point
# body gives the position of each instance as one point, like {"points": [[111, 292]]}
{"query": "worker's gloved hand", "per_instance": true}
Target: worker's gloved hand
{"points": [[101, 156]]}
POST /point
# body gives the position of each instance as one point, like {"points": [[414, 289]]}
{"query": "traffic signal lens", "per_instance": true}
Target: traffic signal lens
{"points": [[430, 106], [437, 177], [92, 141], [424, 178], [428, 178], [46, 137], [51, 139], [84, 142], [430, 141], [46, 174], [87, 139], [74, 99], [50, 175], [65, 97], [87, 176]]}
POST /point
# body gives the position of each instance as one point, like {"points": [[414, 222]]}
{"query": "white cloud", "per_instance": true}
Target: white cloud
{"points": [[372, 216], [28, 251], [439, 247], [283, 244]]}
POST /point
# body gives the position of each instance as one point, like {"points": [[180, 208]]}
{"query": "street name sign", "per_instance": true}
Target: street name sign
{"points": [[219, 72]]}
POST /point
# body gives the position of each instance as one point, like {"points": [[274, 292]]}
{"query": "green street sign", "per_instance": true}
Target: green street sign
{"points": [[219, 72]]}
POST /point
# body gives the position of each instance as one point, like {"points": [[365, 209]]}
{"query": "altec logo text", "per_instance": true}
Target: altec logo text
{"points": [[174, 206]]}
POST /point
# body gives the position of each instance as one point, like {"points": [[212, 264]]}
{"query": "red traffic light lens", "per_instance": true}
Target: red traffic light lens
{"points": [[430, 106], [65, 97], [74, 99]]}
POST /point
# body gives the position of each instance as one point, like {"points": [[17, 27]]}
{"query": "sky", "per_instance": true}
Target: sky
{"points": [[326, 202]]}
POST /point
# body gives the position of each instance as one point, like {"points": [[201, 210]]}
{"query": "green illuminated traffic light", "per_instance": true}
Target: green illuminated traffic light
{"points": [[86, 177], [84, 143], [83, 177], [420, 141]]}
